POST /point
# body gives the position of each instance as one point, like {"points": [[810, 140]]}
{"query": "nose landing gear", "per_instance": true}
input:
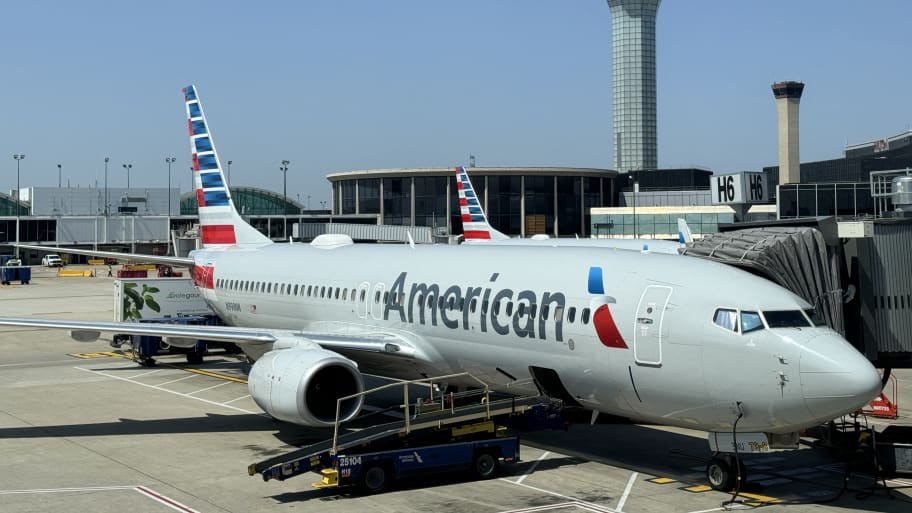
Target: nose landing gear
{"points": [[725, 472]]}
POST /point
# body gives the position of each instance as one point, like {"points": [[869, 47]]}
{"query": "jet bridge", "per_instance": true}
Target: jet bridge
{"points": [[857, 274]]}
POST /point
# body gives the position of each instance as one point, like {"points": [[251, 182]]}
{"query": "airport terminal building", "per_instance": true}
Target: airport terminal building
{"points": [[519, 201]]}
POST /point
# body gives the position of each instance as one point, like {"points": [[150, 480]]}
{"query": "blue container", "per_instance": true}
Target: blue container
{"points": [[11, 274]]}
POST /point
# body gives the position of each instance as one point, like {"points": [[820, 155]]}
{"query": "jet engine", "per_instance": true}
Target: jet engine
{"points": [[302, 385]]}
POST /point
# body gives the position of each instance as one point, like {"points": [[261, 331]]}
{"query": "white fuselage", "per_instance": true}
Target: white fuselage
{"points": [[673, 365]]}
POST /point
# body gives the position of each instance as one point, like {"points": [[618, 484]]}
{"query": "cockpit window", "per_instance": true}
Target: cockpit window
{"points": [[750, 321], [727, 319], [815, 317], [786, 319]]}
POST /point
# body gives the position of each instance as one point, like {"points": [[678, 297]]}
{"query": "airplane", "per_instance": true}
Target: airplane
{"points": [[477, 230], [648, 336]]}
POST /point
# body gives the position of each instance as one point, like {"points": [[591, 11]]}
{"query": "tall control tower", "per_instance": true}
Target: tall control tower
{"points": [[633, 81], [788, 96]]}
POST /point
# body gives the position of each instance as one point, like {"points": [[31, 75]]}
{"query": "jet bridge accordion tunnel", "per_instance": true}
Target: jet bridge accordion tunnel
{"points": [[860, 285]]}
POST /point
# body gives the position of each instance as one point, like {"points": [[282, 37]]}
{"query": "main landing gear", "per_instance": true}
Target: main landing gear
{"points": [[725, 472]]}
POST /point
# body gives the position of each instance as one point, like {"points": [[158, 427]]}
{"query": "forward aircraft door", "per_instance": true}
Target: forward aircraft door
{"points": [[649, 331], [362, 299]]}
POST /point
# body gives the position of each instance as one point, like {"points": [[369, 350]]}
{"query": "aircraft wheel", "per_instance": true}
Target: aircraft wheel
{"points": [[720, 474], [376, 478], [485, 465]]}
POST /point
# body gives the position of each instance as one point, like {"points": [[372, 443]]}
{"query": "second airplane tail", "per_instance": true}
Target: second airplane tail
{"points": [[220, 224], [475, 226]]}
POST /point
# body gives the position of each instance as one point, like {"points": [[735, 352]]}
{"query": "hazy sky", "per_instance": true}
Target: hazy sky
{"points": [[341, 85]]}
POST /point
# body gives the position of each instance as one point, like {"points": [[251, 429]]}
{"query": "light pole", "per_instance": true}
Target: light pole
{"points": [[636, 187], [106, 188], [169, 160], [18, 157], [284, 169], [59, 175], [229, 174], [128, 167]]}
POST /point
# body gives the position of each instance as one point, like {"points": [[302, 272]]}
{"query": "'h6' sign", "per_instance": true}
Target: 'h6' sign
{"points": [[744, 187]]}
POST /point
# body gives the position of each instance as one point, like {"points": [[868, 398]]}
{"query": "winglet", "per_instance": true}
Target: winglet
{"points": [[220, 224], [475, 226]]}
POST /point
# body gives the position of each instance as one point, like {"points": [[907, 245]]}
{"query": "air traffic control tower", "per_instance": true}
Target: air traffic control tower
{"points": [[633, 81], [788, 96]]}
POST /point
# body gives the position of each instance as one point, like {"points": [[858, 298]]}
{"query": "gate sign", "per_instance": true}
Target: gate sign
{"points": [[743, 187]]}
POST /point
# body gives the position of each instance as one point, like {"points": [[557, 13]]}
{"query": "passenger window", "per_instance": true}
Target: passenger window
{"points": [[532, 309], [386, 298], [496, 307], [558, 312], [509, 308], [363, 294], [585, 316], [726, 318], [571, 314], [344, 294], [474, 305], [521, 309], [296, 290], [750, 321], [544, 314]]}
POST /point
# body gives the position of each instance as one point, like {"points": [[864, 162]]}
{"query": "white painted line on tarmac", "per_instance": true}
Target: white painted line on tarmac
{"points": [[555, 506], [532, 467], [580, 503], [141, 374], [26, 364], [156, 387], [708, 510], [167, 501], [65, 490], [620, 506], [233, 400], [210, 388], [178, 379]]}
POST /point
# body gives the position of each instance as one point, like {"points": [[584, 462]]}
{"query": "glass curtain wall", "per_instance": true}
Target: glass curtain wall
{"points": [[503, 197], [397, 203], [539, 205], [430, 200], [568, 206], [369, 196]]}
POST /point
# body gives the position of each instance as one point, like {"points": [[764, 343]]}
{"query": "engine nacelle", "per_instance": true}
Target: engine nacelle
{"points": [[301, 386]]}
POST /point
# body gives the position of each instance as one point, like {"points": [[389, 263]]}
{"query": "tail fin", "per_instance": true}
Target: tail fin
{"points": [[684, 233], [475, 225], [220, 224]]}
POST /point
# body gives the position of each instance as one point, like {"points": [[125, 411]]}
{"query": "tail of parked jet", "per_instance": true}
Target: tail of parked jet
{"points": [[684, 234], [475, 227], [220, 224]]}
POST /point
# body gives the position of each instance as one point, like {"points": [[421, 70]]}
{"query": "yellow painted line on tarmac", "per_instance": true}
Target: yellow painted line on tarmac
{"points": [[101, 354], [697, 488], [217, 375], [759, 500], [662, 480]]}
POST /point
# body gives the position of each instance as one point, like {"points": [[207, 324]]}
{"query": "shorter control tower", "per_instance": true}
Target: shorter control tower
{"points": [[788, 96]]}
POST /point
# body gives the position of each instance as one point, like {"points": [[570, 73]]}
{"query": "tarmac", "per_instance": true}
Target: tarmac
{"points": [[83, 428]]}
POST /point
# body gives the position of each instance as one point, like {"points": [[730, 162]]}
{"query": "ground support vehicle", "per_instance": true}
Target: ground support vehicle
{"points": [[145, 348], [471, 432]]}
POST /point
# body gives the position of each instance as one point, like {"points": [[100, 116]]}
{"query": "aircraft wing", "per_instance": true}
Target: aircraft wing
{"points": [[89, 331], [132, 257]]}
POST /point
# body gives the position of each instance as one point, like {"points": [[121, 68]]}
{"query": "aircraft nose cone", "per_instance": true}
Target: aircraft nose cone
{"points": [[835, 378]]}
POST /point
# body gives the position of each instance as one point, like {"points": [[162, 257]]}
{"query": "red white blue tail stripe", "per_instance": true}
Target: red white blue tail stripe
{"points": [[475, 225], [220, 224]]}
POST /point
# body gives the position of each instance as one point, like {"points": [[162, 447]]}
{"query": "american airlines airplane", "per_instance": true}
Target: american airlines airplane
{"points": [[477, 230], [649, 336]]}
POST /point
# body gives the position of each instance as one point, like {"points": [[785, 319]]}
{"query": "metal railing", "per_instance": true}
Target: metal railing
{"points": [[406, 405]]}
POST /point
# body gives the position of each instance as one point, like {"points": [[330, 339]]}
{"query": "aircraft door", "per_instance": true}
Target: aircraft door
{"points": [[376, 301], [362, 299], [649, 332]]}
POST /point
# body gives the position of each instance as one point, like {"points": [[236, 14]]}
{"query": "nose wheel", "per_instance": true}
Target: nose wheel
{"points": [[724, 471]]}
